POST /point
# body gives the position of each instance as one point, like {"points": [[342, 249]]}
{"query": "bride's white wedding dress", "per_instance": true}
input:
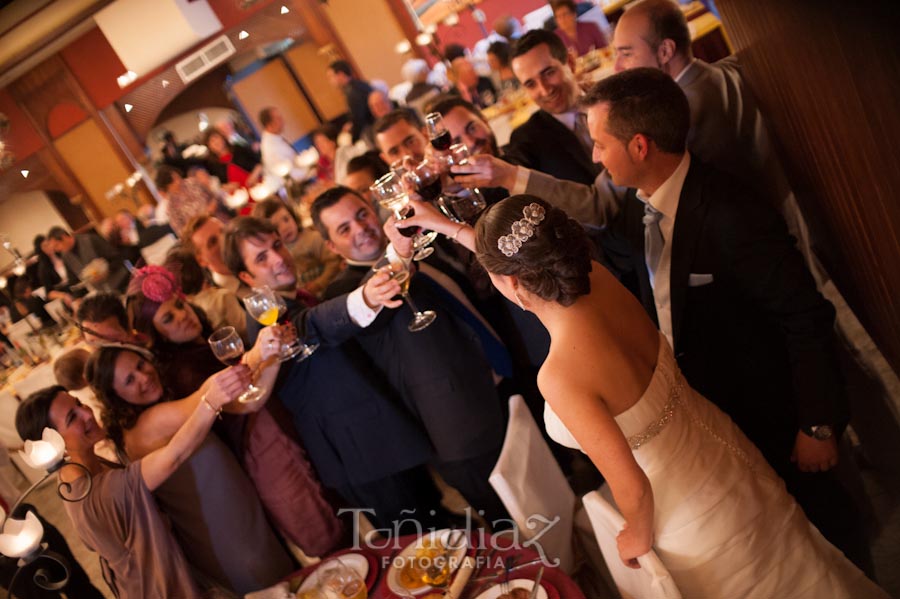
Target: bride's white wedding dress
{"points": [[725, 527]]}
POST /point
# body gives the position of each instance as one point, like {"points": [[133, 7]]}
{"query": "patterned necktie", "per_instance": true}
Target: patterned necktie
{"points": [[582, 133], [653, 239]]}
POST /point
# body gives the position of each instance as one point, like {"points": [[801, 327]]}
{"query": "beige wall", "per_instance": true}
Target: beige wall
{"points": [[370, 31], [273, 85], [23, 216]]}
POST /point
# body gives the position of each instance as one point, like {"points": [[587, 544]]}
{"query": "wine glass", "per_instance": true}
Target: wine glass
{"points": [[400, 273], [461, 204], [337, 580], [265, 306], [438, 133], [227, 346], [392, 194]]}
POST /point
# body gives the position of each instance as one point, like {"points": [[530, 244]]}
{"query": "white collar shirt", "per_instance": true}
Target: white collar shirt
{"points": [[665, 200]]}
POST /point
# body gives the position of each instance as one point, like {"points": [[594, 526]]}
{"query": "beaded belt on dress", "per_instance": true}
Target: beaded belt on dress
{"points": [[668, 411]]}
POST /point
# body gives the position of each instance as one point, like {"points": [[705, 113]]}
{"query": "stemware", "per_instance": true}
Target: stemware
{"points": [[265, 306], [392, 194], [228, 348], [438, 133], [400, 273]]}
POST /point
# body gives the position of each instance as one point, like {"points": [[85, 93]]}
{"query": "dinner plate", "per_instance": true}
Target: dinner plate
{"points": [[357, 561], [393, 574], [518, 583]]}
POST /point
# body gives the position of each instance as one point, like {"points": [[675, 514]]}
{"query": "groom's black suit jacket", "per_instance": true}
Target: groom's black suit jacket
{"points": [[757, 338]]}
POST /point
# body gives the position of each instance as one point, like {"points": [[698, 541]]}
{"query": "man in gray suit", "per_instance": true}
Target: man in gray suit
{"points": [[727, 129]]}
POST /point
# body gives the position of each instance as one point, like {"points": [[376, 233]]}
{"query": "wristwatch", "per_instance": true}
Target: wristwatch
{"points": [[821, 432]]}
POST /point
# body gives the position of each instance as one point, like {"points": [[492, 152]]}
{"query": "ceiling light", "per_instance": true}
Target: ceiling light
{"points": [[284, 10], [126, 79], [423, 39], [128, 107], [403, 47], [25, 173], [165, 83], [243, 35]]}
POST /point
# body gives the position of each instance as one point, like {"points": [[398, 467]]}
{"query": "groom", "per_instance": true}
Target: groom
{"points": [[715, 267]]}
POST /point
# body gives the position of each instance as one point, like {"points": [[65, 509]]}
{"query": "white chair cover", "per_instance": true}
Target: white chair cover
{"points": [[651, 580], [40, 376], [533, 488], [155, 253]]}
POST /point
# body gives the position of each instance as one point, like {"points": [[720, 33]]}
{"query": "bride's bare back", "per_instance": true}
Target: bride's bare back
{"points": [[604, 345]]}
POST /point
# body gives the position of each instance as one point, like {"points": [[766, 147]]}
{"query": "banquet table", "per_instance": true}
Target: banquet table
{"points": [[487, 558]]}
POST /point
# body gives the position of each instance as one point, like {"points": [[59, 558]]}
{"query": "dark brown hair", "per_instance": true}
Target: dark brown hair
{"points": [[645, 101], [118, 415], [554, 263], [239, 230], [33, 414], [538, 37], [326, 200]]}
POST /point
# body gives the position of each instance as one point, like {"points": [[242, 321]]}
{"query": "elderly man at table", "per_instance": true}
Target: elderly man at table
{"points": [[119, 517], [278, 155], [442, 372], [362, 443], [555, 140]]}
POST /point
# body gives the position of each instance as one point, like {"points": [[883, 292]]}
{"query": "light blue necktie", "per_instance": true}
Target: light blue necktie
{"points": [[653, 239]]}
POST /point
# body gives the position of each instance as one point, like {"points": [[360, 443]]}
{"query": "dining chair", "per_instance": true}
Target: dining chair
{"points": [[652, 579], [532, 487]]}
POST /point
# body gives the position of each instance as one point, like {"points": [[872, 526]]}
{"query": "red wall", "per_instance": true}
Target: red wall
{"points": [[467, 31], [22, 139]]}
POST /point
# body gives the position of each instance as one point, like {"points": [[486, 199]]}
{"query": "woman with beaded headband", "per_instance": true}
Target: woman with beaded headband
{"points": [[270, 453], [689, 484]]}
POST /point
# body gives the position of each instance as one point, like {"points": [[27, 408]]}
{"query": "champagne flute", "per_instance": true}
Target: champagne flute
{"points": [[400, 273], [438, 133], [228, 348], [265, 306], [392, 195]]}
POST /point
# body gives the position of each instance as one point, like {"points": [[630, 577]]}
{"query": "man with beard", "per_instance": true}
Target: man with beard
{"points": [[361, 442]]}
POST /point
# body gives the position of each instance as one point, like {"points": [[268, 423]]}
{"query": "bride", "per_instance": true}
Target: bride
{"points": [[687, 481]]}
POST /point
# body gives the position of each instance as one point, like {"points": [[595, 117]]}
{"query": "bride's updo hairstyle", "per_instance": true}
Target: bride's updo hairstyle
{"points": [[554, 263]]}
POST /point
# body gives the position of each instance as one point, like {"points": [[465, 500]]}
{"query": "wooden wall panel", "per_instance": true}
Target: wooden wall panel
{"points": [[827, 74], [273, 85], [310, 68], [98, 169]]}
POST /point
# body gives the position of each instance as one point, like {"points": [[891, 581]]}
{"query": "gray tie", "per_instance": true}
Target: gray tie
{"points": [[582, 133], [653, 239]]}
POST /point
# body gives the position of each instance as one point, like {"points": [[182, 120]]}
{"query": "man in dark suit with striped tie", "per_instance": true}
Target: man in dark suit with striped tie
{"points": [[445, 372]]}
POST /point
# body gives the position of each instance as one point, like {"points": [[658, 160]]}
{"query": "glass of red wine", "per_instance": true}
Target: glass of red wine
{"points": [[391, 193], [437, 132], [228, 348], [461, 204]]}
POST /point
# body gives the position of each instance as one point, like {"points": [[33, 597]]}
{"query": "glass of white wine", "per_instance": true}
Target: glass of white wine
{"points": [[398, 271], [265, 306], [228, 348]]}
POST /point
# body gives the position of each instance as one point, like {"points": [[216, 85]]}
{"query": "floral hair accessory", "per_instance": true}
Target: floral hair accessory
{"points": [[522, 230], [156, 283]]}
